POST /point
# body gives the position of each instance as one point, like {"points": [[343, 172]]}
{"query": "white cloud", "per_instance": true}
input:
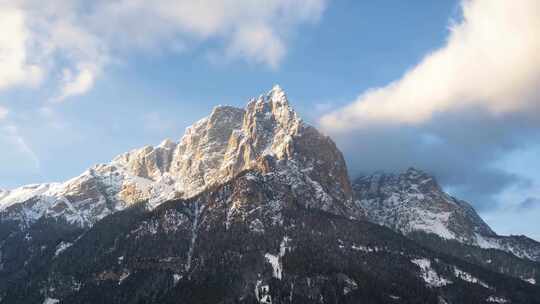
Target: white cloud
{"points": [[51, 36], [76, 84], [74, 40], [258, 43], [16, 68], [252, 30], [490, 62]]}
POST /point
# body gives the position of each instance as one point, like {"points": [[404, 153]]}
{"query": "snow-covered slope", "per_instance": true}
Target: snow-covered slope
{"points": [[267, 135], [413, 201]]}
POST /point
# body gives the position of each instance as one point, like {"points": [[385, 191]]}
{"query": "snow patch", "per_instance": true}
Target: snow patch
{"points": [[433, 222], [275, 259], [502, 244], [276, 265], [350, 285], [465, 276], [365, 248], [494, 299], [262, 293], [256, 226], [194, 233], [51, 301], [429, 275], [487, 243], [61, 247], [123, 276]]}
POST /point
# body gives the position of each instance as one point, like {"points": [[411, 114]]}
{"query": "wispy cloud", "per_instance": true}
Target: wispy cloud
{"points": [[78, 84], [12, 135], [74, 40]]}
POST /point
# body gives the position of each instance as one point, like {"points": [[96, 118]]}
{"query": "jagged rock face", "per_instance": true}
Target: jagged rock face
{"points": [[148, 162], [232, 140], [267, 135], [413, 201], [81, 201]]}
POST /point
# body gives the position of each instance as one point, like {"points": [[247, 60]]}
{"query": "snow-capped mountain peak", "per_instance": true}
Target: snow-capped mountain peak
{"points": [[413, 201], [267, 135]]}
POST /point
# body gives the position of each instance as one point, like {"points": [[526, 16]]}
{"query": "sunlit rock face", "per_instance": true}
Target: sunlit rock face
{"points": [[232, 140], [267, 135]]}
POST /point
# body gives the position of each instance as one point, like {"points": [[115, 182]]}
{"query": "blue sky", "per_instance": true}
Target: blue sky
{"points": [[89, 87]]}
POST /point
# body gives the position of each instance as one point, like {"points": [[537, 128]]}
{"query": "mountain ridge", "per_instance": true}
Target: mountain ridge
{"points": [[413, 201], [212, 150], [251, 240], [258, 206], [230, 140]]}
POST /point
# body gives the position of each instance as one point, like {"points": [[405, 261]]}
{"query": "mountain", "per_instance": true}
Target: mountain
{"points": [[250, 240], [252, 205], [413, 201], [413, 204], [212, 151]]}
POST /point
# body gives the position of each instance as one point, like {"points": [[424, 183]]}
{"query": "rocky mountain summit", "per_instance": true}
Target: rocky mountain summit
{"points": [[413, 202], [266, 135], [252, 205]]}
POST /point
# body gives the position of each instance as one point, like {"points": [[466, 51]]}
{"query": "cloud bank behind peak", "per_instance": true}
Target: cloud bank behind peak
{"points": [[460, 110]]}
